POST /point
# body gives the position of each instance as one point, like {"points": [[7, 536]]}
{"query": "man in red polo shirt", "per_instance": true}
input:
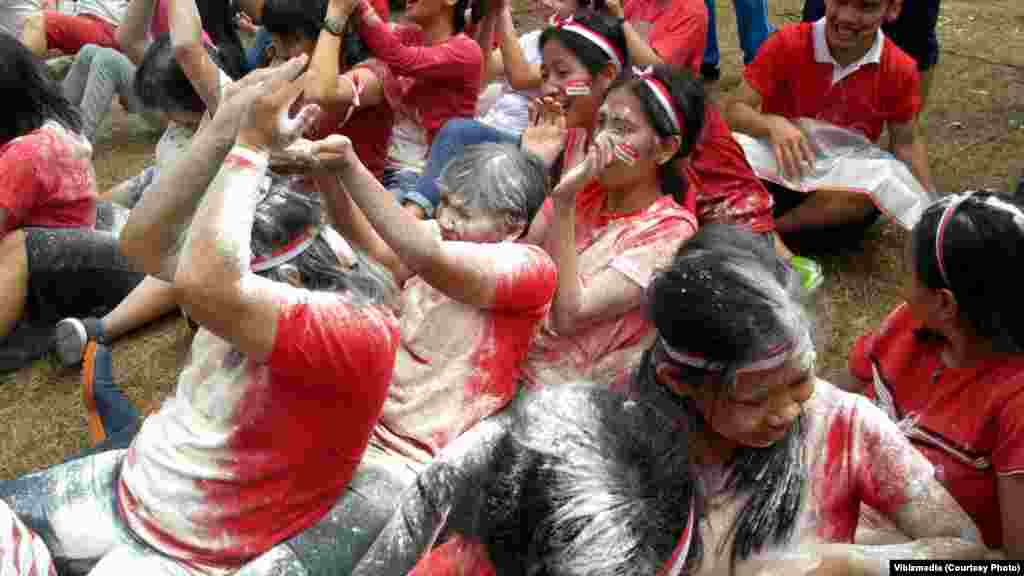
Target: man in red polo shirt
{"points": [[844, 71]]}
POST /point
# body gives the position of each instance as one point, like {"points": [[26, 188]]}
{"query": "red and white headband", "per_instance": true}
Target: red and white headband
{"points": [[675, 564], [773, 359], [595, 38], [947, 216], [661, 93]]}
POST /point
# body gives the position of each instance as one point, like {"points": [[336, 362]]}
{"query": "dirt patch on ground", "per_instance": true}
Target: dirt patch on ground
{"points": [[974, 136]]}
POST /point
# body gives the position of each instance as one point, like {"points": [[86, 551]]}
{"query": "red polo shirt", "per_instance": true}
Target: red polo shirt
{"points": [[796, 77]]}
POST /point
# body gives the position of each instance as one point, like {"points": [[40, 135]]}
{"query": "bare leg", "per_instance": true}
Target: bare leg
{"points": [[33, 35], [825, 209], [13, 280], [150, 300]]}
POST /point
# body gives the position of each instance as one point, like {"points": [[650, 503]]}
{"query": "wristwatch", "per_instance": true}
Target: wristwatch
{"points": [[332, 25]]}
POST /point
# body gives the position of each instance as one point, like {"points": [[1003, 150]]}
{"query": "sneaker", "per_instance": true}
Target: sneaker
{"points": [[811, 275], [71, 336], [92, 416]]}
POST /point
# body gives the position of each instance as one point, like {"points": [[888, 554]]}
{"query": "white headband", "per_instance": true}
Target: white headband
{"points": [[678, 560], [594, 37], [661, 93], [775, 358]]}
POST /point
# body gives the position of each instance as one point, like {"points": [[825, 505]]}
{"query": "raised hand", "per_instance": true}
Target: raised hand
{"points": [[589, 166], [545, 136], [266, 124]]}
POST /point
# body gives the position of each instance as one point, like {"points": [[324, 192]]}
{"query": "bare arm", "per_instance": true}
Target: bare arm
{"points": [[133, 33], [151, 237], [464, 271], [1011, 495], [187, 39], [909, 147], [325, 65], [520, 74], [743, 114], [485, 36], [640, 52], [350, 222]]}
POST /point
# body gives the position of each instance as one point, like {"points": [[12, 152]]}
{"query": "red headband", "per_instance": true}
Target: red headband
{"points": [[661, 94], [292, 249], [595, 38]]}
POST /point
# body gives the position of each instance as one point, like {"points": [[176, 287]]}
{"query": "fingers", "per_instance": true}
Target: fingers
{"points": [[807, 153], [285, 85], [533, 111], [294, 127]]}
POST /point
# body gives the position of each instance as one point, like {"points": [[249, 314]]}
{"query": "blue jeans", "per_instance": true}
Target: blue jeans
{"points": [[256, 55], [455, 135], [753, 25]]}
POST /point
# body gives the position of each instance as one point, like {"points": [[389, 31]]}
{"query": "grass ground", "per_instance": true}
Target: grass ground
{"points": [[972, 127]]}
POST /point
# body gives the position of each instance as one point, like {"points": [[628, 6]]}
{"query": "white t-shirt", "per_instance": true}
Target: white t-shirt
{"points": [[108, 10], [510, 113]]}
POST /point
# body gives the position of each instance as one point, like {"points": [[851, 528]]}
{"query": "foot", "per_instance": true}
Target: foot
{"points": [[96, 359], [71, 336]]}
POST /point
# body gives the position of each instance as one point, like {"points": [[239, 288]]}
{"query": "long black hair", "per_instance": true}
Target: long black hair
{"points": [[30, 95], [585, 481], [218, 19], [727, 298], [983, 236], [688, 96]]}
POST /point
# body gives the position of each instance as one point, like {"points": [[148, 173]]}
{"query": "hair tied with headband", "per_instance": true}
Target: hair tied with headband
{"points": [[675, 564], [570, 25], [661, 94], [288, 252]]}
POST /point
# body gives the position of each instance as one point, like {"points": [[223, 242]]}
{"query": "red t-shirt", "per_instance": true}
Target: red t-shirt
{"points": [[676, 29], [369, 129], [722, 186], [969, 422], [47, 180], [429, 83], [247, 454], [793, 84]]}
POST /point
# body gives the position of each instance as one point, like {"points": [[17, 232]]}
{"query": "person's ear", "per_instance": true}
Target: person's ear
{"points": [[666, 149], [671, 377], [948, 308], [604, 78], [514, 228]]}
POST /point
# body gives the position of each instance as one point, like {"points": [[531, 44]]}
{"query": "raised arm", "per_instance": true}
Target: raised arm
{"points": [[467, 272], [325, 84], [444, 61], [520, 74], [640, 52], [213, 281], [152, 237], [456, 474], [187, 39], [133, 33]]}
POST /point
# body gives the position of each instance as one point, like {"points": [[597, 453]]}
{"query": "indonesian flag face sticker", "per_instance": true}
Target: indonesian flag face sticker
{"points": [[577, 88], [625, 152]]}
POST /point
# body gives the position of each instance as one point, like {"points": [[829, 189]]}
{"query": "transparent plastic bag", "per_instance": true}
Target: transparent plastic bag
{"points": [[846, 160]]}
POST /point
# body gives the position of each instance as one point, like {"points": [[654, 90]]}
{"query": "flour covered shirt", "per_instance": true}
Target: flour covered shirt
{"points": [[247, 454], [459, 363], [635, 245]]}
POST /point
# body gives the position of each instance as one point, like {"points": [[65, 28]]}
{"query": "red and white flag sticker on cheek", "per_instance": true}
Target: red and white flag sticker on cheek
{"points": [[626, 152], [577, 88]]}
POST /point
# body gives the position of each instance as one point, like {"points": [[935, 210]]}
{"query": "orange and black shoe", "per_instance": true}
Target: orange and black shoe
{"points": [[97, 433]]}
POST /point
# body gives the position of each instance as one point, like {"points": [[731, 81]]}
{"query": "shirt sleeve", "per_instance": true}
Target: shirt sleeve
{"points": [[765, 74], [20, 188], [902, 88], [890, 471], [1008, 455], [22, 552], [681, 37], [650, 248], [527, 277], [320, 332], [453, 59]]}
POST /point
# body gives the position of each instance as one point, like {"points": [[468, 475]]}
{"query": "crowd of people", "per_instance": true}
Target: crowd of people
{"points": [[468, 301]]}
